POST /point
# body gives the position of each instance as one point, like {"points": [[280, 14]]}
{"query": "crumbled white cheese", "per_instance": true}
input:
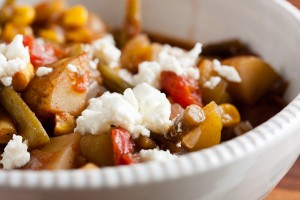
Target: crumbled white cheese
{"points": [[15, 154], [7, 81], [242, 128], [13, 58], [169, 59], [149, 72], [156, 155], [43, 71], [212, 82], [106, 51], [154, 107], [72, 68], [126, 75], [94, 63], [139, 110], [227, 72], [16, 50], [178, 144]]}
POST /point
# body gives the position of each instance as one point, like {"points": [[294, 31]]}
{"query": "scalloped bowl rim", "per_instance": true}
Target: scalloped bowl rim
{"points": [[154, 172]]}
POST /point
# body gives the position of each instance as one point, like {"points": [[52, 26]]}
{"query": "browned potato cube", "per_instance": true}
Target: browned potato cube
{"points": [[60, 153], [61, 91], [257, 78]]}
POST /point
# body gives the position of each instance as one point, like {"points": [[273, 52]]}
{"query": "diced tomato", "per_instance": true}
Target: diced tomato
{"points": [[81, 83], [40, 55], [182, 91], [122, 146]]}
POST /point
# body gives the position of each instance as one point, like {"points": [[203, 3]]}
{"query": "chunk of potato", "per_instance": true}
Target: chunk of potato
{"points": [[61, 91], [210, 130], [257, 78], [98, 149], [60, 153]]}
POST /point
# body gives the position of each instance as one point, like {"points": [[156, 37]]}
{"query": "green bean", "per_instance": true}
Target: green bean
{"points": [[112, 81], [29, 127]]}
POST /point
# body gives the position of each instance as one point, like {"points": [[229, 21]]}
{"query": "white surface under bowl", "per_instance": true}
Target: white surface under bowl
{"points": [[247, 167]]}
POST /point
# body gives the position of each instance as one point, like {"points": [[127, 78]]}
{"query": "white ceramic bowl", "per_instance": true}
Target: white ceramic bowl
{"points": [[247, 167]]}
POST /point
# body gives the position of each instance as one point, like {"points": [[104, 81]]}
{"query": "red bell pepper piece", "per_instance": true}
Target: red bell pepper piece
{"points": [[182, 91], [122, 146], [40, 54]]}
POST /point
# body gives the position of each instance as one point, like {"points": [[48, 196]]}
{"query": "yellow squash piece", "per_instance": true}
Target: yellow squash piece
{"points": [[210, 129], [230, 115]]}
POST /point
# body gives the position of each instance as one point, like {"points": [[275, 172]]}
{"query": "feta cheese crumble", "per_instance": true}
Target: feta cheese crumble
{"points": [[212, 82], [139, 110], [13, 58], [43, 71], [169, 58], [15, 154], [156, 155], [228, 72], [72, 68], [106, 51]]}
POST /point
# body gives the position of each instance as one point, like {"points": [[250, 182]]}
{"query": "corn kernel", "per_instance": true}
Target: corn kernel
{"points": [[64, 124], [23, 15], [52, 35], [21, 79], [76, 16], [79, 35], [230, 115], [10, 30]]}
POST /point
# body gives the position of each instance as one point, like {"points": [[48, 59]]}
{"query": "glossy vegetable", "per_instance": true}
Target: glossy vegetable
{"points": [[40, 55], [98, 149], [61, 91], [122, 146], [23, 15], [75, 16], [64, 124], [111, 80], [257, 78], [60, 153], [29, 127], [188, 120], [217, 94], [180, 90], [137, 50], [132, 25], [209, 130], [230, 115]]}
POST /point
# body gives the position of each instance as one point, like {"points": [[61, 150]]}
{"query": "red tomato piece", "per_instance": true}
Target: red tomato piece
{"points": [[40, 54], [182, 91], [122, 146]]}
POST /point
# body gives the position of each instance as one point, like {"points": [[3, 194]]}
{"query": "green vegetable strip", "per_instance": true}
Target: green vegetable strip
{"points": [[29, 127], [112, 81]]}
